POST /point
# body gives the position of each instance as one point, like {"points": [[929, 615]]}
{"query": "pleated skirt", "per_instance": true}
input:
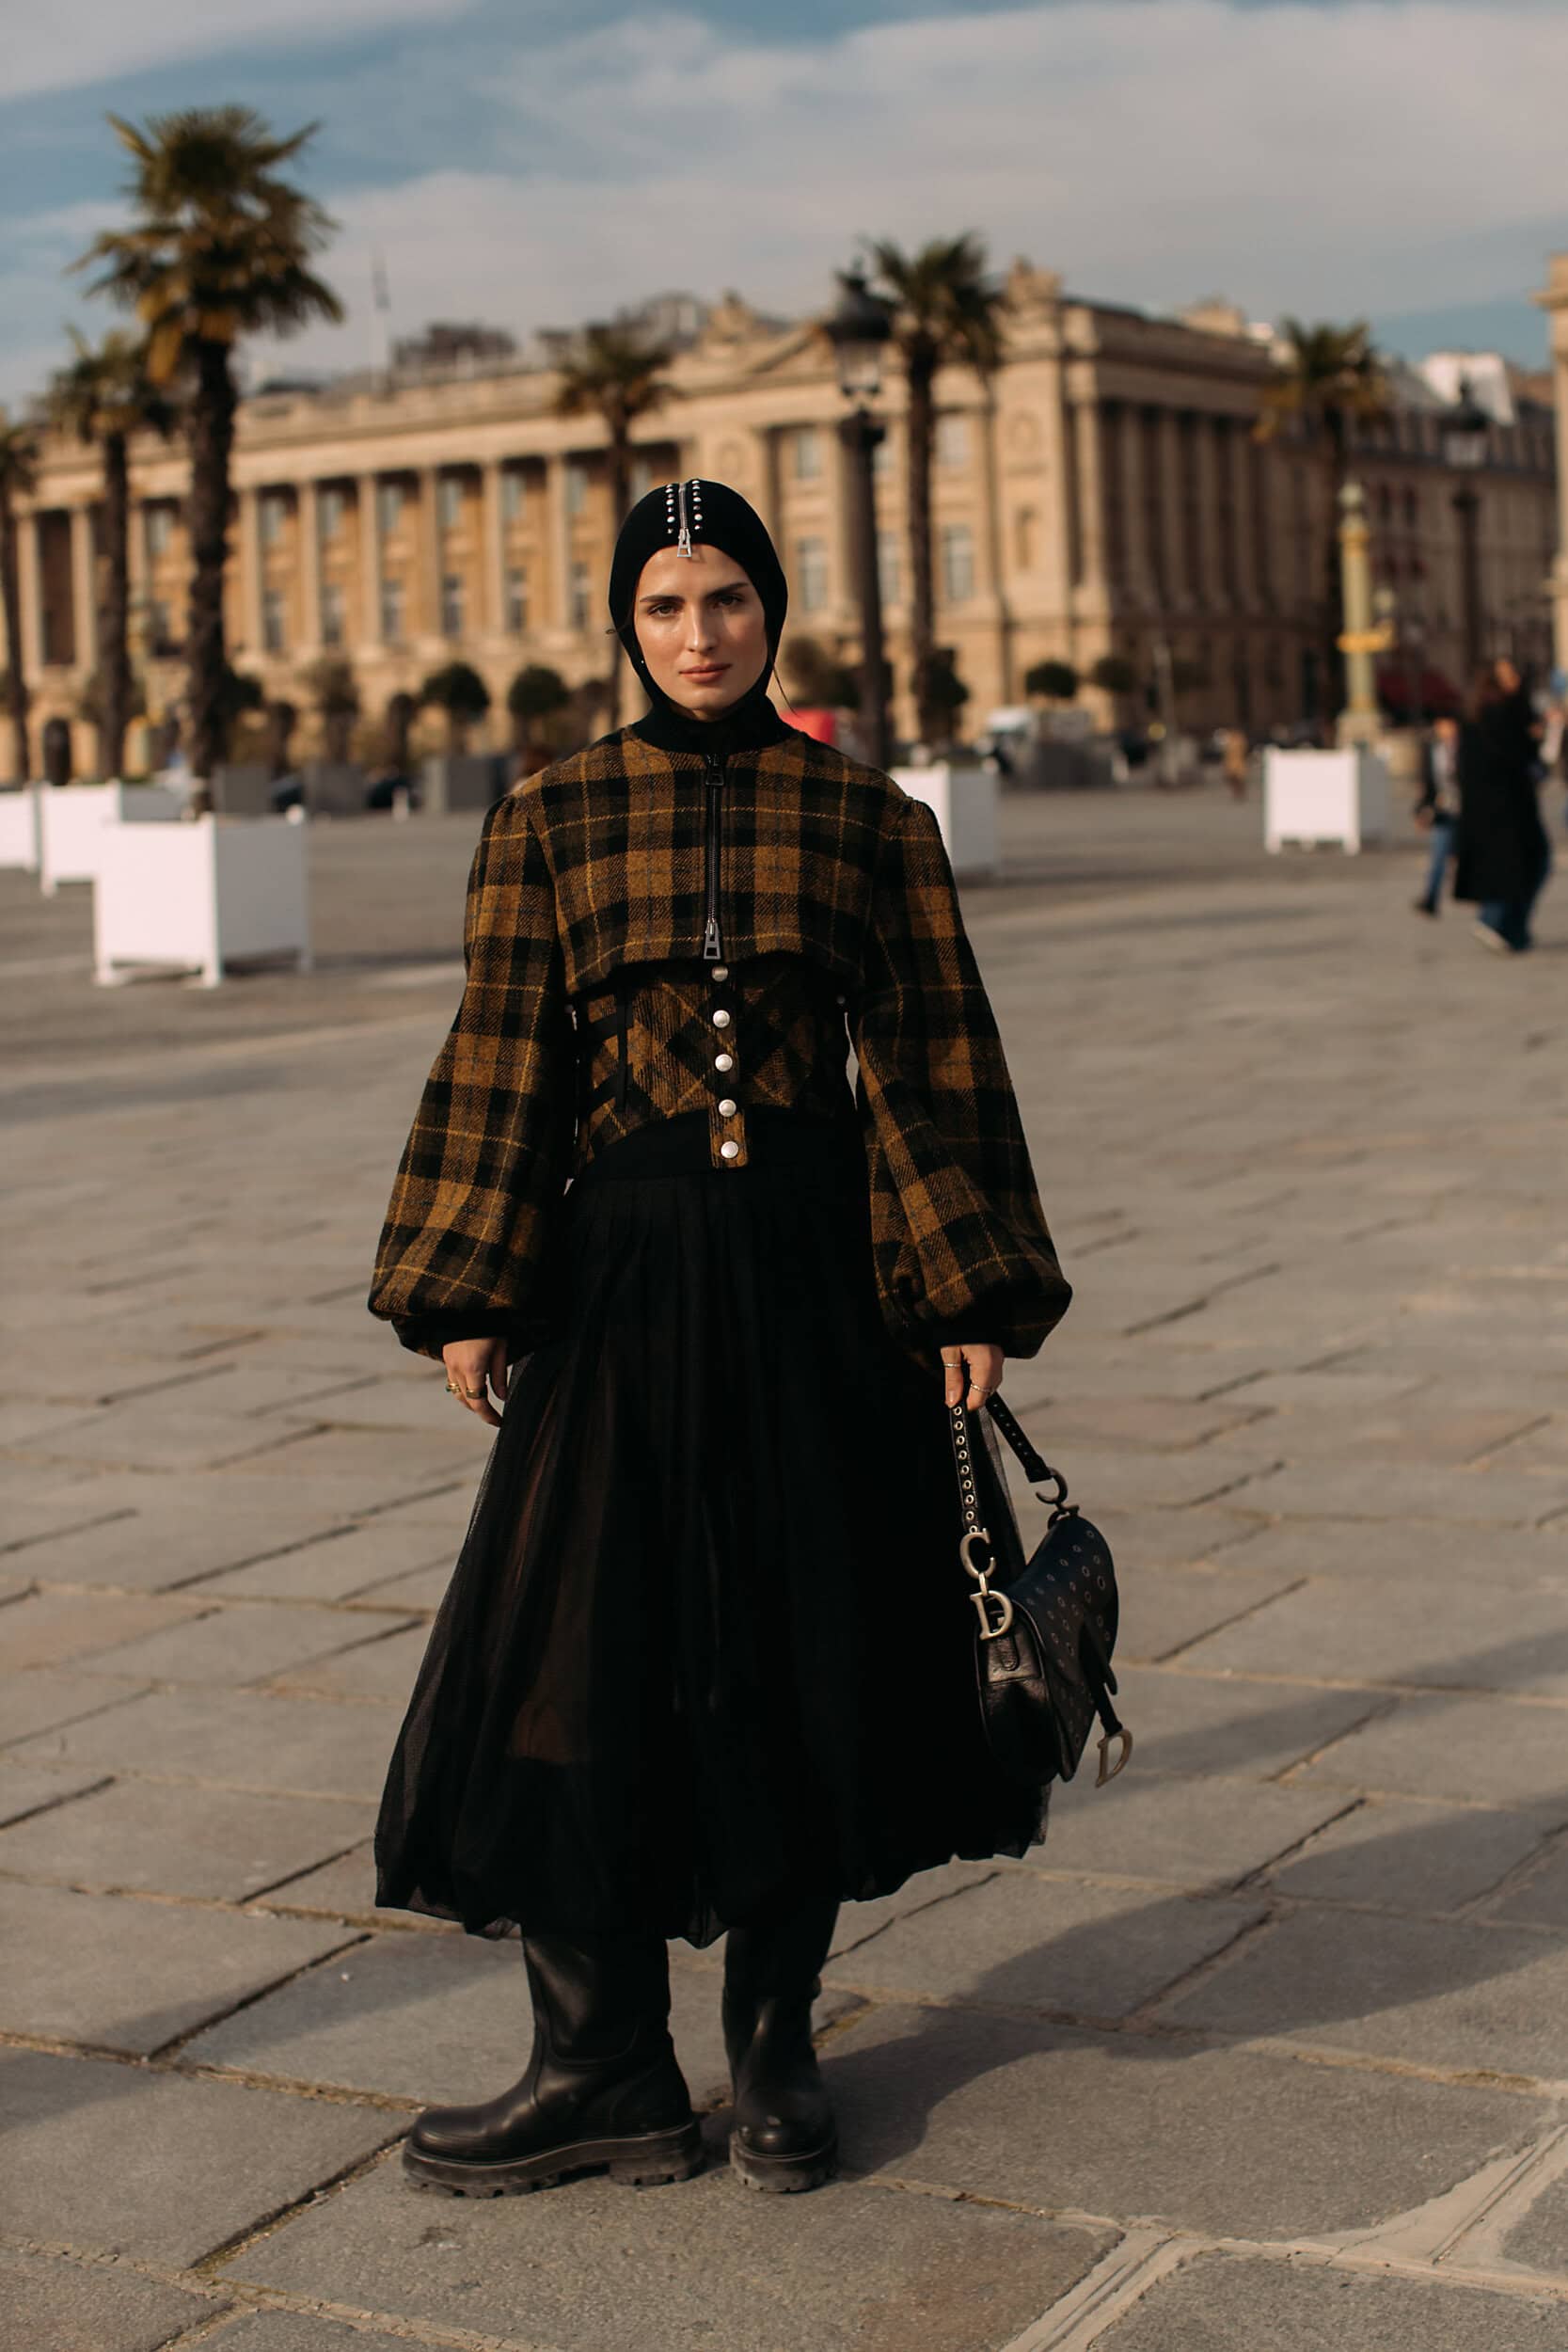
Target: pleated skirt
{"points": [[709, 1648]]}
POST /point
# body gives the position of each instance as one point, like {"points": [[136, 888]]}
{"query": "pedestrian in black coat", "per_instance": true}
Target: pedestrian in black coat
{"points": [[1502, 854]]}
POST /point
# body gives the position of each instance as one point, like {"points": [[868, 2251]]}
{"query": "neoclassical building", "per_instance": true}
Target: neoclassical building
{"points": [[1105, 493], [1554, 300]]}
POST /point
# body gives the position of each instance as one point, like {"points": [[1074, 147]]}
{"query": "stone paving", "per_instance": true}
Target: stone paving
{"points": [[1264, 2051]]}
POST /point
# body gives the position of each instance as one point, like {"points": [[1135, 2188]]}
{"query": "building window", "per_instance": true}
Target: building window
{"points": [[577, 488], [642, 478], [449, 499], [806, 452], [581, 595], [882, 454], [811, 574], [388, 507], [270, 511], [331, 506], [391, 612], [953, 441], [452, 604], [159, 526], [160, 627], [890, 566], [517, 600], [957, 562], [334, 618], [274, 636], [512, 494]]}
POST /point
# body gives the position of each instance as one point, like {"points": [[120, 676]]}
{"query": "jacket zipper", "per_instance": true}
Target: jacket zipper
{"points": [[713, 944]]}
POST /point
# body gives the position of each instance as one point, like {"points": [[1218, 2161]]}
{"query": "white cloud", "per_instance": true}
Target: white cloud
{"points": [[73, 42], [1367, 156], [1364, 157]]}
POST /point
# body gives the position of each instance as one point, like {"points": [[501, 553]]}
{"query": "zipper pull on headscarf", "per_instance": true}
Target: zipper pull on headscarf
{"points": [[690, 495]]}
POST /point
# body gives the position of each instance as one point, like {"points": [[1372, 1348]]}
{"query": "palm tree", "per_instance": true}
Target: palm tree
{"points": [[106, 396], [947, 313], [616, 374], [221, 247], [19, 453], [1332, 379]]}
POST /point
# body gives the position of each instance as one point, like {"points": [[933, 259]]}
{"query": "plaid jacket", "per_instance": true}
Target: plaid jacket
{"points": [[588, 1012]]}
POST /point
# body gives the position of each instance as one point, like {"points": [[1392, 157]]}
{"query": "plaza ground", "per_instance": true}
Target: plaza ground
{"points": [[1263, 2051]]}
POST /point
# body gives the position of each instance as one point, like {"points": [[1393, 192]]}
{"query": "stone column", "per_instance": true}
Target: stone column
{"points": [[491, 616], [1555, 301], [1238, 458], [1180, 558], [308, 524], [1140, 568], [27, 587], [250, 571], [768, 471], [84, 585], [370, 561], [1089, 486], [428, 540], [558, 532]]}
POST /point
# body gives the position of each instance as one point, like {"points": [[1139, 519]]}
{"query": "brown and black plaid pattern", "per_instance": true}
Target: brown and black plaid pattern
{"points": [[837, 902], [646, 1051], [467, 1228]]}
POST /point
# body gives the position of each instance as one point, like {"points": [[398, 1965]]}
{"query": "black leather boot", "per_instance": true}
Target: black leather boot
{"points": [[784, 2133], [602, 2091]]}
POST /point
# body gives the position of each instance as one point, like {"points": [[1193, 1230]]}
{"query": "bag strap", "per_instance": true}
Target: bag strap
{"points": [[1036, 1469]]}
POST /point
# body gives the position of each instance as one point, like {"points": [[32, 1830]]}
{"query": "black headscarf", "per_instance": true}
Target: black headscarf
{"points": [[678, 514]]}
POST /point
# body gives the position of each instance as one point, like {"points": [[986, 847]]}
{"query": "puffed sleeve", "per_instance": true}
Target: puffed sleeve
{"points": [[465, 1253], [960, 1243]]}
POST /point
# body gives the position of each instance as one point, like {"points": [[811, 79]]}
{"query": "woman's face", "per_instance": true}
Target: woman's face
{"points": [[1506, 674], [700, 624]]}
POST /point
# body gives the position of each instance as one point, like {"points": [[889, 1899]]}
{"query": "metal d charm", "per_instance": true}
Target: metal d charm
{"points": [[1107, 1769], [995, 1610]]}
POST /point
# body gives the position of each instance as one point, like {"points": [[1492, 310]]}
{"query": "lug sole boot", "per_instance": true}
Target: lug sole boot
{"points": [[785, 2138], [602, 2094]]}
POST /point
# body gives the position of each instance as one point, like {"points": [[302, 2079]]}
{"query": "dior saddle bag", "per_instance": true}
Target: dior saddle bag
{"points": [[1045, 1629]]}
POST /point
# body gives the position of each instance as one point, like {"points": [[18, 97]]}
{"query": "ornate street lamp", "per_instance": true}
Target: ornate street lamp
{"points": [[860, 331], [1466, 431]]}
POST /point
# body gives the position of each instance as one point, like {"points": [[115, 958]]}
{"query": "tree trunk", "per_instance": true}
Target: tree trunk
{"points": [[10, 593], [618, 478], [920, 367], [114, 684], [212, 440]]}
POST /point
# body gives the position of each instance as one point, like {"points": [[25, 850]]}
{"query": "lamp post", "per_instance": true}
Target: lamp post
{"points": [[1361, 638], [859, 331], [1464, 449]]}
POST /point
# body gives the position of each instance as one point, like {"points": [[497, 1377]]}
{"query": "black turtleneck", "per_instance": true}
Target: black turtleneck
{"points": [[751, 724]]}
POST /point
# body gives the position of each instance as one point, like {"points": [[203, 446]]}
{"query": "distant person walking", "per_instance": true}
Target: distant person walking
{"points": [[1502, 854], [1234, 759], [1438, 807]]}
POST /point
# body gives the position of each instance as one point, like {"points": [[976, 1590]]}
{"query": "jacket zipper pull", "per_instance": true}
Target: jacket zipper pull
{"points": [[713, 945]]}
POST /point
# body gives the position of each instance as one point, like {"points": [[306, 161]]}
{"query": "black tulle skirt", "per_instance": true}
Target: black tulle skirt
{"points": [[708, 1647]]}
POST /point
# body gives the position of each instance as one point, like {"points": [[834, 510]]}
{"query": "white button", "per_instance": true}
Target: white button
{"points": [[842, 999], [723, 1061], [729, 1150], [721, 1019], [726, 1109], [721, 971]]}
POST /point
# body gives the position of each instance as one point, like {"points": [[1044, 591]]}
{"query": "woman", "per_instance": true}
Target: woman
{"points": [[1502, 854], [705, 1664]]}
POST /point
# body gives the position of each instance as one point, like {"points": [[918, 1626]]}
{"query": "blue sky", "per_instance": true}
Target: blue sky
{"points": [[532, 162]]}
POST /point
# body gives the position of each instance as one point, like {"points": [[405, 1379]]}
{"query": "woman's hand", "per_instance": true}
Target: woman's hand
{"points": [[474, 1367], [984, 1373]]}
